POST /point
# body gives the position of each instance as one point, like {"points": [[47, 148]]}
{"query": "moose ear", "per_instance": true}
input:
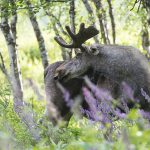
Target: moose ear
{"points": [[94, 50]]}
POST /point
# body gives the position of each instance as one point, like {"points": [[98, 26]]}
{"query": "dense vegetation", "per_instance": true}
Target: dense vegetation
{"points": [[128, 26]]}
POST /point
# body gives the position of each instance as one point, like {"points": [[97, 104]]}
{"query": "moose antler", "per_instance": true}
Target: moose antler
{"points": [[78, 39]]}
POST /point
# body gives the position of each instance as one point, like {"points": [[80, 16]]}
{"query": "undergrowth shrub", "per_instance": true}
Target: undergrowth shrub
{"points": [[105, 127], [13, 132], [110, 125]]}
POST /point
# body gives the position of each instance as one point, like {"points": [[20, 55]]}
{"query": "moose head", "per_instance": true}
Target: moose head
{"points": [[77, 42]]}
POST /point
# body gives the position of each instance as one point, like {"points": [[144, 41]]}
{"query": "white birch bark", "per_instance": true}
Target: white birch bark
{"points": [[91, 16], [15, 75], [38, 34]]}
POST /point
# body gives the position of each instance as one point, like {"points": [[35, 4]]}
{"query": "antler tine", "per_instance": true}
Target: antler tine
{"points": [[85, 34], [82, 27], [62, 43], [72, 35], [89, 32], [78, 39]]}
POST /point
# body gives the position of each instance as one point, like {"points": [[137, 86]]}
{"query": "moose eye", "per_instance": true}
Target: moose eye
{"points": [[93, 49]]}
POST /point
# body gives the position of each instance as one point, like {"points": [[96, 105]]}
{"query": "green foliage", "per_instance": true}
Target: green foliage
{"points": [[80, 134], [12, 129], [84, 135]]}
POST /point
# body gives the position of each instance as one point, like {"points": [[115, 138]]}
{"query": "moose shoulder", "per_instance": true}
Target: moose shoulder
{"points": [[119, 63]]}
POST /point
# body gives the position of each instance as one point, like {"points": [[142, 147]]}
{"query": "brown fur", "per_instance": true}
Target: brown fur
{"points": [[117, 63], [56, 107]]}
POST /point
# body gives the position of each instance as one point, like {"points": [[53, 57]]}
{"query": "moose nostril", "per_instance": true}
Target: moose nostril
{"points": [[55, 77]]}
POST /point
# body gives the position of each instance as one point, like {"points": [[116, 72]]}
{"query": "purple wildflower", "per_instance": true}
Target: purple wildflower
{"points": [[66, 95], [124, 105], [120, 114], [105, 119], [127, 91], [91, 101], [145, 114], [147, 97], [89, 114], [99, 93], [99, 102], [85, 112]]}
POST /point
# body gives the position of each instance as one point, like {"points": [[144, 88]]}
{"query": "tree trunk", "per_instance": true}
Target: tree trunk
{"points": [[15, 74], [14, 65], [72, 15], [35, 88], [64, 52], [105, 27], [14, 21], [146, 40], [55, 21], [72, 22], [38, 34], [91, 16], [98, 6], [3, 68], [112, 21]]}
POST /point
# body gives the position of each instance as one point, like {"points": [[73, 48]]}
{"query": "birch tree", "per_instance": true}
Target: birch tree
{"points": [[58, 28], [38, 34], [91, 16], [14, 74], [102, 21], [113, 26], [72, 21]]}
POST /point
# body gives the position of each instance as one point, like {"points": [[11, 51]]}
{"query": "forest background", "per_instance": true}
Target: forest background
{"points": [[27, 46]]}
